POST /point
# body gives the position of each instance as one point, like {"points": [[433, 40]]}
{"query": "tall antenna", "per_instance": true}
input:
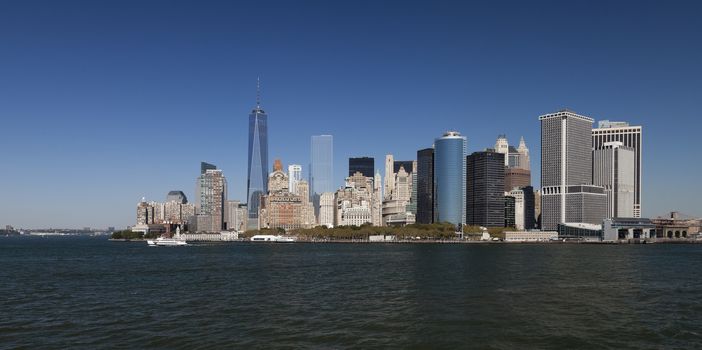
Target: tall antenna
{"points": [[258, 93]]}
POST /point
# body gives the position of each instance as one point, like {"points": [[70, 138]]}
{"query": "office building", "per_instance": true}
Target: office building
{"points": [[363, 165], [614, 169], [295, 176], [485, 189], [508, 211], [567, 193], [407, 164], [357, 202], [281, 208], [326, 209], [176, 196], [257, 174], [516, 177], [523, 207], [389, 176], [631, 137], [236, 215], [321, 167], [425, 186], [450, 178]]}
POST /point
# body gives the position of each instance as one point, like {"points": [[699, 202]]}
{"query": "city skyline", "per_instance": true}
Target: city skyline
{"points": [[93, 110]]}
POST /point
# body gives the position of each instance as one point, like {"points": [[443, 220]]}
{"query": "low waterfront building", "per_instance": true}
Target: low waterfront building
{"points": [[676, 227], [617, 229], [530, 236], [580, 231]]}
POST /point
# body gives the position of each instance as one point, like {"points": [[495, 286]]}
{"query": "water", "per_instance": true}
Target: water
{"points": [[89, 293]]}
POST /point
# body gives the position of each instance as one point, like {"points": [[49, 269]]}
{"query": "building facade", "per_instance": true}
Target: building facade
{"points": [[257, 174], [450, 178], [567, 193], [363, 165], [294, 176], [321, 177], [630, 136], [212, 195], [614, 169], [485, 193], [425, 186]]}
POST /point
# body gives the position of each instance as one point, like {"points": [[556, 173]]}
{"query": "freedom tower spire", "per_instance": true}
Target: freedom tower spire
{"points": [[257, 175]]}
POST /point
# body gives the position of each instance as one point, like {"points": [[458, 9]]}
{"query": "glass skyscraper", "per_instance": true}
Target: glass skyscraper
{"points": [[257, 180], [450, 178], [364, 165], [321, 167], [425, 186]]}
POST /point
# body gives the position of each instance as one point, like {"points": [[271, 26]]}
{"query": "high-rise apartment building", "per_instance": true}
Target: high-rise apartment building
{"points": [[630, 136], [450, 178], [212, 194], [236, 216], [206, 166], [485, 176], [257, 175], [614, 168], [294, 176], [567, 193], [425, 186], [363, 165]]}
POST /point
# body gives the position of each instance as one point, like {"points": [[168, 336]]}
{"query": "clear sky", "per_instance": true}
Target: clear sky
{"points": [[103, 102]]}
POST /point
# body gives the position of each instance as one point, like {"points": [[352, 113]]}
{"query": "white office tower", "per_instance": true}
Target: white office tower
{"points": [[567, 193], [614, 168], [523, 152], [502, 146], [294, 176], [519, 207], [389, 176], [630, 136]]}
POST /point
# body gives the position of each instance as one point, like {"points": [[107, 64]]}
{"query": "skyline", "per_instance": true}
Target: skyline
{"points": [[95, 120]]}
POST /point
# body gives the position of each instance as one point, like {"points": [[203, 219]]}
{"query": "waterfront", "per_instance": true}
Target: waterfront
{"points": [[87, 292]]}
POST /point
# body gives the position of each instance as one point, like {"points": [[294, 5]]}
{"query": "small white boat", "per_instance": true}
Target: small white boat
{"points": [[271, 238], [163, 241]]}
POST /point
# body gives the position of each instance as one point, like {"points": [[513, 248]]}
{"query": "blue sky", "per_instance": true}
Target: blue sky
{"points": [[103, 102]]}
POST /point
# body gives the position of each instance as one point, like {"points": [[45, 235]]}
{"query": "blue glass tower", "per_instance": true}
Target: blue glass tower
{"points": [[450, 178], [321, 168], [257, 180]]}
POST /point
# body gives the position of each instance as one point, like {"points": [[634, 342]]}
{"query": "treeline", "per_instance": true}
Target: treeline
{"points": [[129, 234], [414, 231]]}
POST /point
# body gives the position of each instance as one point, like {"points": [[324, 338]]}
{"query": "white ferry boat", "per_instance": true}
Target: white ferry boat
{"points": [[163, 241], [271, 238]]}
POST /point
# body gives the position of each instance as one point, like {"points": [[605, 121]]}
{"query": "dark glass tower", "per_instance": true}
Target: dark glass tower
{"points": [[363, 165], [425, 186], [485, 178], [257, 180], [407, 164]]}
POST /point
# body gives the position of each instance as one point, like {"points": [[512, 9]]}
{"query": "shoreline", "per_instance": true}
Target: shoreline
{"points": [[346, 241]]}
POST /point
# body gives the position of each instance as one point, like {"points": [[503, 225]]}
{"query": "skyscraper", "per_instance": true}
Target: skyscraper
{"points": [[567, 193], [407, 164], [212, 195], [630, 136], [294, 177], [257, 180], [206, 166], [425, 186], [614, 169], [364, 165], [389, 176], [450, 178], [485, 175], [321, 167]]}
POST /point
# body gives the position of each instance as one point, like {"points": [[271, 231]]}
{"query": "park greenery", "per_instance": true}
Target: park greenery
{"points": [[129, 234], [436, 231]]}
